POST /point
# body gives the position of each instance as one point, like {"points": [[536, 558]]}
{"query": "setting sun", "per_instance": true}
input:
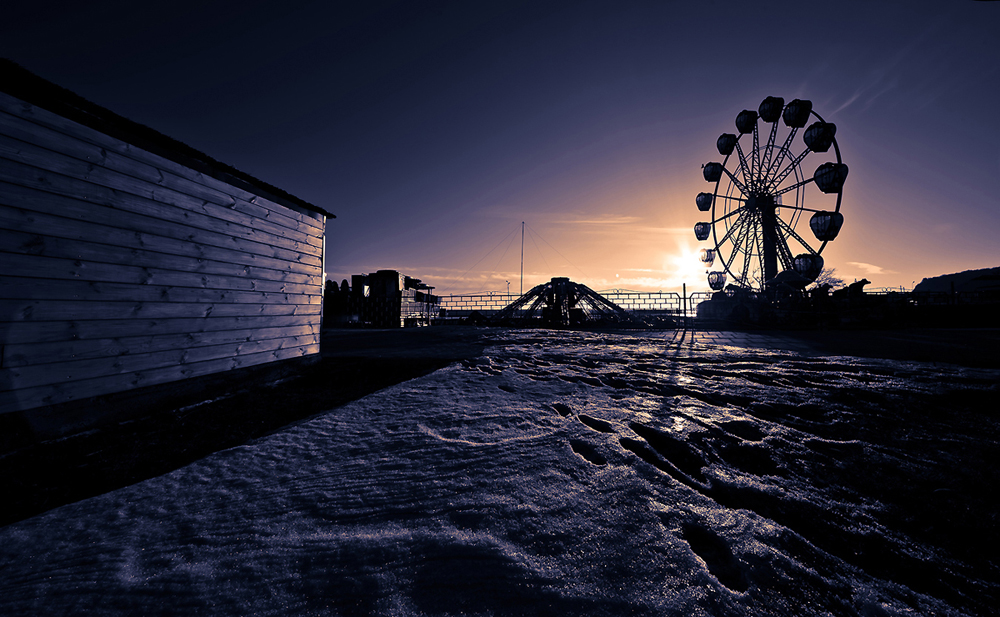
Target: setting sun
{"points": [[683, 267]]}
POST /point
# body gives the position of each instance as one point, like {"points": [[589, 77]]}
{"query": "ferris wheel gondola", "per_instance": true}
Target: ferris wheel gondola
{"points": [[759, 212]]}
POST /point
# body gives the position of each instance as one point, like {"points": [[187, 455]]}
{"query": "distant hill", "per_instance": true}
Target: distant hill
{"points": [[970, 280]]}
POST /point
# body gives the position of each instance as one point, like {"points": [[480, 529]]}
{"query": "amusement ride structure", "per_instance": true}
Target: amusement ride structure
{"points": [[561, 303], [762, 197]]}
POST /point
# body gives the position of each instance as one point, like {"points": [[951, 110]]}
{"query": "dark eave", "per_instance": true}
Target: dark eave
{"points": [[18, 82]]}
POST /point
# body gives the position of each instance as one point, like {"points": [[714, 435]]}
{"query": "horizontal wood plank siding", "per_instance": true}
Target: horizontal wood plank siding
{"points": [[122, 268], [61, 289], [52, 353], [123, 363], [28, 398], [64, 310], [23, 136], [208, 230], [89, 254], [44, 118], [36, 331]]}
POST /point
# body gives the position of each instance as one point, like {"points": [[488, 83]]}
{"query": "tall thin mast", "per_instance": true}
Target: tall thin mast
{"points": [[522, 258]]}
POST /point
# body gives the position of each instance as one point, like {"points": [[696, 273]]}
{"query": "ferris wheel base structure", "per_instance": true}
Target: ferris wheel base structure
{"points": [[762, 197]]}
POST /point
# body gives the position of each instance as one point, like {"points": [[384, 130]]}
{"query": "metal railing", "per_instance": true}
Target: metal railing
{"points": [[874, 306], [456, 307]]}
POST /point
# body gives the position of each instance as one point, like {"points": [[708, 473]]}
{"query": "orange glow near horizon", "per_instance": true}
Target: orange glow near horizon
{"points": [[619, 214], [632, 228]]}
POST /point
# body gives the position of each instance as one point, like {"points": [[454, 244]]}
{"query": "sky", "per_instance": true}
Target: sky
{"points": [[432, 130]]}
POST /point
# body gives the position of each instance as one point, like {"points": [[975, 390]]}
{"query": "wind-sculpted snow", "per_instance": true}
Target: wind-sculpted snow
{"points": [[564, 473]]}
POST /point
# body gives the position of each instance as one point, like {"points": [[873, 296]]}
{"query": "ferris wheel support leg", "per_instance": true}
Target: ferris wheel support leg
{"points": [[769, 225]]}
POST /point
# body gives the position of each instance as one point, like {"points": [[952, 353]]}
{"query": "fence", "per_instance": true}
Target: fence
{"points": [[671, 303]]}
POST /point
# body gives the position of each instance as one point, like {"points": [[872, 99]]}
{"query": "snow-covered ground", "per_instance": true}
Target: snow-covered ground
{"points": [[564, 473]]}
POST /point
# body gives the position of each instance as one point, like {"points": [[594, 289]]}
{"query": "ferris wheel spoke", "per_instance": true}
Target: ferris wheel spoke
{"points": [[731, 230], [732, 257], [740, 245], [791, 232], [742, 187], [789, 169], [785, 150], [746, 270], [729, 208], [748, 259], [744, 166], [784, 253], [792, 187], [765, 165], [798, 208], [755, 168], [725, 216]]}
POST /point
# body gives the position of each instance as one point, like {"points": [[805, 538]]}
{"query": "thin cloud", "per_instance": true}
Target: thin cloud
{"points": [[608, 220], [652, 283], [670, 230], [636, 231], [847, 104], [870, 268]]}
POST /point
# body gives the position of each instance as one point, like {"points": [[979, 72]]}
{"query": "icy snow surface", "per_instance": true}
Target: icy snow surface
{"points": [[563, 473]]}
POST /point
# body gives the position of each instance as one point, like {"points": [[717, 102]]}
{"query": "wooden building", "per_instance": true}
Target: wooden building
{"points": [[130, 259]]}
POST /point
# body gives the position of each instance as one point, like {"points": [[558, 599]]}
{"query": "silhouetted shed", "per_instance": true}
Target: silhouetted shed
{"points": [[131, 259], [388, 299]]}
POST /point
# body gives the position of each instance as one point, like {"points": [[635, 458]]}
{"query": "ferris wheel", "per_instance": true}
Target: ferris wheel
{"points": [[763, 197]]}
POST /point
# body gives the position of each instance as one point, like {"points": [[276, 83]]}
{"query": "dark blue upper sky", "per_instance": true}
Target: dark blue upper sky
{"points": [[433, 129]]}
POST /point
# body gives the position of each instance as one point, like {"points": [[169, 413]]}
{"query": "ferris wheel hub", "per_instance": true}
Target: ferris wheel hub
{"points": [[759, 203]]}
